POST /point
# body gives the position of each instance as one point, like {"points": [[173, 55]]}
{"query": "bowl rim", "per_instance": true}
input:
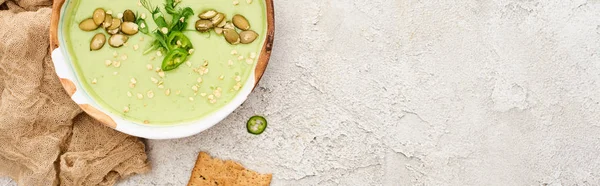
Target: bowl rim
{"points": [[70, 82]]}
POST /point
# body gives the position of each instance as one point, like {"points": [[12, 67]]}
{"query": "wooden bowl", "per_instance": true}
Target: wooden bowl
{"points": [[154, 132]]}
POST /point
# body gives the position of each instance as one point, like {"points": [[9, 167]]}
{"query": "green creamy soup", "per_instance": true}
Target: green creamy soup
{"points": [[211, 78]]}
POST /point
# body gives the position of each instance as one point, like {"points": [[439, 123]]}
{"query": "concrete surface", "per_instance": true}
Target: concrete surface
{"points": [[417, 92]]}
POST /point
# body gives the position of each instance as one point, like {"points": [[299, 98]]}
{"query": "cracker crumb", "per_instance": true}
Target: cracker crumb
{"points": [[126, 109], [133, 80], [178, 92], [234, 52], [136, 47], [108, 62], [116, 64], [94, 81], [240, 57], [199, 80], [252, 55], [149, 66], [236, 2], [129, 94], [168, 92], [140, 96], [158, 53], [249, 1], [161, 74], [249, 61], [191, 98]]}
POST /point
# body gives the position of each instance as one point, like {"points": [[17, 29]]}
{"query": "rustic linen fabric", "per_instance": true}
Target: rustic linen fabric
{"points": [[45, 139]]}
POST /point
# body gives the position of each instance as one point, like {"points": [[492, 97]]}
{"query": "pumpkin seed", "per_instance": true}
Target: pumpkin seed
{"points": [[222, 24], [129, 28], [218, 18], [107, 21], [97, 42], [117, 40], [114, 24], [207, 14], [248, 36], [231, 36], [228, 25], [98, 16], [219, 30], [113, 31], [88, 25], [204, 25], [241, 22], [128, 16]]}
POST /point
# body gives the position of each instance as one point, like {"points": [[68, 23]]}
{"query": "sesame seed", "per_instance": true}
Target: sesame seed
{"points": [[178, 92], [120, 15], [108, 62], [191, 51], [236, 2], [146, 122], [164, 30], [211, 96], [249, 61], [109, 12], [221, 77], [143, 16], [115, 54], [240, 57], [213, 101], [125, 44], [217, 94], [182, 19], [136, 47], [140, 96], [94, 81], [252, 55], [154, 80], [131, 85], [249, 1], [195, 88], [199, 80], [157, 69], [129, 94], [149, 66], [124, 57], [188, 63], [205, 63], [142, 25], [219, 89], [234, 52], [161, 86], [141, 38], [230, 62], [203, 94], [179, 42], [158, 53], [160, 82], [206, 70], [126, 109], [133, 80], [191, 98], [168, 92], [150, 94], [117, 64], [115, 73], [161, 74], [238, 78]]}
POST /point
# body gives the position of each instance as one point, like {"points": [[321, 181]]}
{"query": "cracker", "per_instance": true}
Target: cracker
{"points": [[213, 171]]}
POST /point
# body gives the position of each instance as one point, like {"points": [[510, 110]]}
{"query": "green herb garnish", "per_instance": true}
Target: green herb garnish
{"points": [[168, 37]]}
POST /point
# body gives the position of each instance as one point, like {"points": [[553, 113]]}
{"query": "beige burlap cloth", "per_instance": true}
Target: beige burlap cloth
{"points": [[45, 139]]}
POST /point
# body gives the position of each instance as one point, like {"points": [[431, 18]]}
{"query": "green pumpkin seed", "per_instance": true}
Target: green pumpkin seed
{"points": [[98, 16], [241, 22], [222, 24], [88, 25], [129, 28], [114, 24], [229, 25], [231, 36], [204, 25], [97, 42], [128, 16], [107, 21], [219, 30], [218, 18], [208, 14], [113, 31], [117, 40], [248, 36]]}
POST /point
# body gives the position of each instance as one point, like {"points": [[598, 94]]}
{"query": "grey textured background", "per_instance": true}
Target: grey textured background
{"points": [[416, 92]]}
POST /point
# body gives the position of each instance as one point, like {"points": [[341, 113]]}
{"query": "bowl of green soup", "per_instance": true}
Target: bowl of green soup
{"points": [[161, 69]]}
